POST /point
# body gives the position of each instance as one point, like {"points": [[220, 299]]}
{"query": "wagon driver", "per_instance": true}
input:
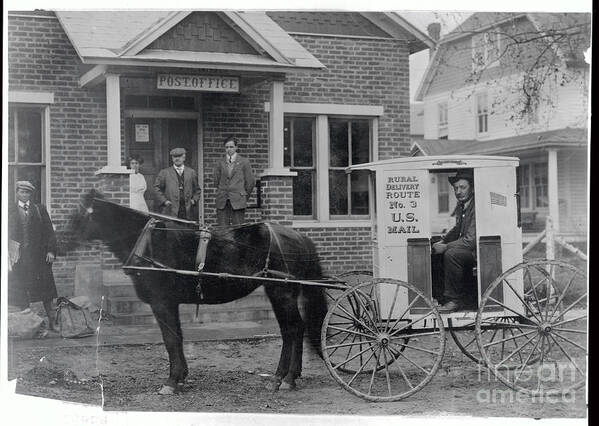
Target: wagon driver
{"points": [[458, 246], [32, 250]]}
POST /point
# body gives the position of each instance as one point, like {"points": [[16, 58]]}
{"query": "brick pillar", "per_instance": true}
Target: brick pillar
{"points": [[277, 199], [115, 187]]}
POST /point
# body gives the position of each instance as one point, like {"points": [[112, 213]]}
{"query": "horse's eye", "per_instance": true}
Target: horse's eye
{"points": [[90, 210]]}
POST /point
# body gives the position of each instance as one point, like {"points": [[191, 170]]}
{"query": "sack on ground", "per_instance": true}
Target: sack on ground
{"points": [[24, 324], [72, 320]]}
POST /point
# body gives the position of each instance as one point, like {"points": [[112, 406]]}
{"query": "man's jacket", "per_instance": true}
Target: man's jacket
{"points": [[234, 184], [463, 234], [166, 187]]}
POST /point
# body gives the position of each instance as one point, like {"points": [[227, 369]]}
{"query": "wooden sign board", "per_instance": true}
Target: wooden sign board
{"points": [[199, 83]]}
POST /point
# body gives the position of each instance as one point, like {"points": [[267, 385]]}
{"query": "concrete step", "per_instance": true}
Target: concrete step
{"points": [[131, 304], [189, 316], [117, 284]]}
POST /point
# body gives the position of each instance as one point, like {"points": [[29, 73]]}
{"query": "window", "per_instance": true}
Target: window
{"points": [[319, 149], [482, 113], [443, 190], [299, 156], [26, 149], [485, 50], [532, 185], [349, 144], [540, 182], [443, 122]]}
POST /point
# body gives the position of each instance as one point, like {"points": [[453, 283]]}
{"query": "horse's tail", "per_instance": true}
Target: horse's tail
{"points": [[315, 309]]}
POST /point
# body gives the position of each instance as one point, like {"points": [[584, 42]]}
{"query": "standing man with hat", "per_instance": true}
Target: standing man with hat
{"points": [[458, 246], [177, 189], [32, 250], [235, 181]]}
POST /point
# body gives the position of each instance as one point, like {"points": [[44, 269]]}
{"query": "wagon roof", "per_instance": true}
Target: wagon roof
{"points": [[439, 162]]}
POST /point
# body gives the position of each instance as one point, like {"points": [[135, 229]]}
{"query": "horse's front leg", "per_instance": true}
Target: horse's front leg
{"points": [[167, 316]]}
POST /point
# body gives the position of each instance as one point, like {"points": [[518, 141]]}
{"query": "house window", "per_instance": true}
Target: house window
{"points": [[443, 122], [485, 50], [320, 154], [349, 144], [540, 185], [26, 149], [532, 185], [299, 156], [443, 193], [482, 113]]}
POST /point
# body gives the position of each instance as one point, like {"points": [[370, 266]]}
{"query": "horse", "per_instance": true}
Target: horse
{"points": [[251, 250]]}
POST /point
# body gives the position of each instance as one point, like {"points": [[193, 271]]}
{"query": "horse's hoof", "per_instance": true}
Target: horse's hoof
{"points": [[167, 390], [287, 386], [273, 386]]}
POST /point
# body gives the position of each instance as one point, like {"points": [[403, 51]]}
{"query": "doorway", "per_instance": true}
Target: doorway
{"points": [[153, 138]]}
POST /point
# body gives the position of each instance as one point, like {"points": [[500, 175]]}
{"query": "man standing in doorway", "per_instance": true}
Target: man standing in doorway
{"points": [[32, 250], [177, 190], [235, 181], [458, 246]]}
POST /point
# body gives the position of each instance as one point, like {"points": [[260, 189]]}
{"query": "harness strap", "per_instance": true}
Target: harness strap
{"points": [[273, 236]]}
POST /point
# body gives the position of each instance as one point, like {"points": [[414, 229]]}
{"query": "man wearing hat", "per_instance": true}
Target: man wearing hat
{"points": [[458, 246], [177, 190], [32, 249]]}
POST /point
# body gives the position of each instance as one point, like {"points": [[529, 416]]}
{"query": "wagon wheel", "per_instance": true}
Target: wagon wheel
{"points": [[350, 279], [502, 327], [400, 347], [552, 327]]}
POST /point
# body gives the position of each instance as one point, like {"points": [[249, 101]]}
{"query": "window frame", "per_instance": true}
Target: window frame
{"points": [[44, 163], [530, 204], [442, 120], [484, 115], [483, 45]]}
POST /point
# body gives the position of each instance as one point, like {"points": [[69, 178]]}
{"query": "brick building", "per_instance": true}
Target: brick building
{"points": [[306, 93]]}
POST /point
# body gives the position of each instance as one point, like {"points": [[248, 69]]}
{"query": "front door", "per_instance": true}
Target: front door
{"points": [[153, 138]]}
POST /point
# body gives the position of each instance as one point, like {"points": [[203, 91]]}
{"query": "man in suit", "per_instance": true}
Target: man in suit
{"points": [[177, 190], [235, 181], [458, 246], [32, 250]]}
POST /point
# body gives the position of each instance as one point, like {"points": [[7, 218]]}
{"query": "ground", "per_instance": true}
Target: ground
{"points": [[231, 376]]}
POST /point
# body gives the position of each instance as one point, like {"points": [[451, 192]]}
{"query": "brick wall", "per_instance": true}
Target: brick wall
{"points": [[41, 59]]}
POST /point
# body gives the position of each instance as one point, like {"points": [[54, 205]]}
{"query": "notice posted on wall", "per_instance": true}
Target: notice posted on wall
{"points": [[404, 204]]}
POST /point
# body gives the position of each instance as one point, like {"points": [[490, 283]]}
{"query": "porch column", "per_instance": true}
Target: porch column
{"points": [[276, 132], [552, 189], [113, 126]]}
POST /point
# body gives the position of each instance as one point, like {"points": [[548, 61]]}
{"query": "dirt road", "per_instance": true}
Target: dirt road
{"points": [[232, 376]]}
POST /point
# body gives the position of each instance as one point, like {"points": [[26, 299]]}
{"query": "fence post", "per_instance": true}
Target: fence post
{"points": [[549, 239]]}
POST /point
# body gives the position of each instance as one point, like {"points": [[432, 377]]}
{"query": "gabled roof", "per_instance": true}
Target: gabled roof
{"points": [[570, 48], [101, 37], [566, 138]]}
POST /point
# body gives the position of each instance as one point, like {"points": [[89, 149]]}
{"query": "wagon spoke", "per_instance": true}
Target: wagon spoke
{"points": [[569, 308], [516, 343], [358, 320], [570, 320], [505, 325], [351, 331], [355, 356], [344, 345], [363, 365], [570, 341], [525, 364], [372, 376], [503, 305], [386, 370], [412, 362], [412, 303], [528, 307], [391, 308], [509, 338], [515, 351], [407, 336], [569, 330], [411, 323], [567, 355], [563, 294], [342, 341], [533, 286], [416, 348], [548, 291], [401, 371], [366, 311]]}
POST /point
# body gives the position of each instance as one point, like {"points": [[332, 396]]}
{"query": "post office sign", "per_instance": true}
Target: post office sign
{"points": [[200, 83]]}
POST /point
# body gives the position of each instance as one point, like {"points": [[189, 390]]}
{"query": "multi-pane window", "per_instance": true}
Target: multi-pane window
{"points": [[26, 156], [533, 185], [482, 113], [299, 156], [349, 144], [485, 50], [443, 121], [540, 182]]}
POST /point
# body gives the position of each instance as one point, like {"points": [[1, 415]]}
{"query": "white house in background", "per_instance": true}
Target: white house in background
{"points": [[516, 84]]}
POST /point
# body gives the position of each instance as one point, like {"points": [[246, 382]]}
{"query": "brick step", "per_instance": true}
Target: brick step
{"points": [[131, 304], [188, 316]]}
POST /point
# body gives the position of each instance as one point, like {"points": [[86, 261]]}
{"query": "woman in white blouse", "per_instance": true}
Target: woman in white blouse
{"points": [[137, 184]]}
